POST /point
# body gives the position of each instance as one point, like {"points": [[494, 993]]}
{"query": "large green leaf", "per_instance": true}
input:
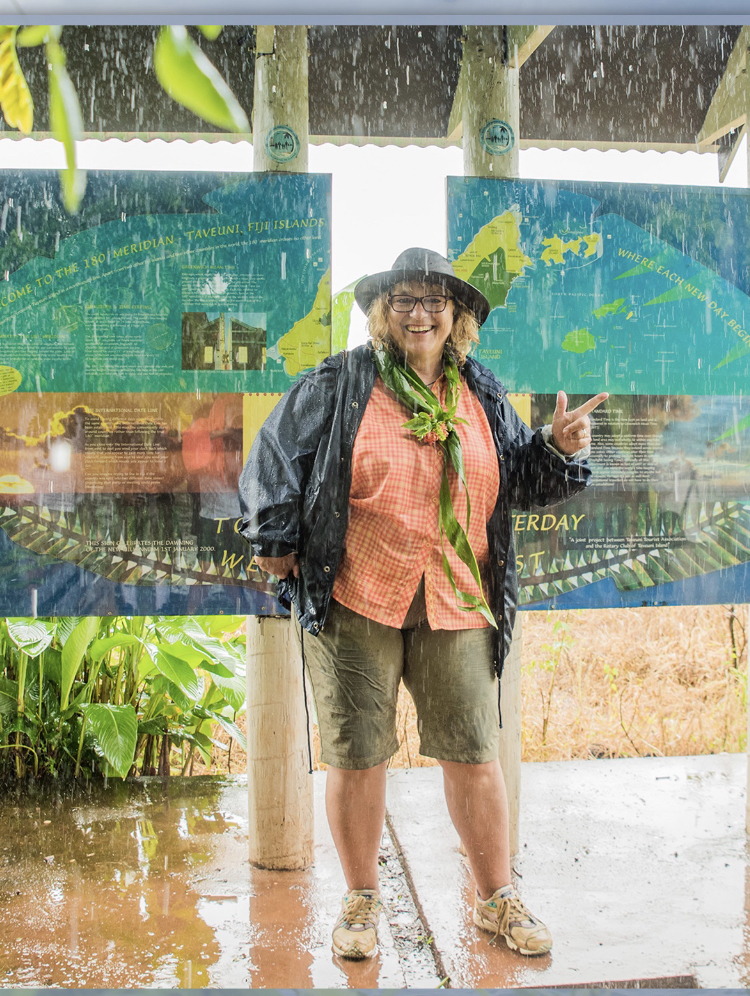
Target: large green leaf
{"points": [[53, 666], [73, 653], [115, 730], [66, 122], [226, 724], [15, 97], [100, 648], [175, 669], [37, 34], [65, 626], [8, 697], [154, 727], [223, 659], [192, 80], [32, 636], [221, 625], [233, 689]]}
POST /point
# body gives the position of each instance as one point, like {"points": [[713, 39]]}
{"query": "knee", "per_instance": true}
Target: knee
{"points": [[458, 772]]}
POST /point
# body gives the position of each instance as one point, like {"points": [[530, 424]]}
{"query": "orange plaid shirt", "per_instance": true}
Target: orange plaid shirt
{"points": [[393, 535]]}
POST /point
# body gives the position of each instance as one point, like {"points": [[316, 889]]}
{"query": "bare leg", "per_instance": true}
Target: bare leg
{"points": [[355, 805], [478, 807]]}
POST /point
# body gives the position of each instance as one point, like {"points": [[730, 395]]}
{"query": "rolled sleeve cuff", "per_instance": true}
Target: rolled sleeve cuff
{"points": [[581, 454]]}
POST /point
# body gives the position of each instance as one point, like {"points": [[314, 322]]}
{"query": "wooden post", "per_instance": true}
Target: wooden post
{"points": [[280, 110], [491, 104], [490, 115], [280, 790]]}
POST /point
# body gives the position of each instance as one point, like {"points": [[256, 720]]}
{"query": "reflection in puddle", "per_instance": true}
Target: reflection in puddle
{"points": [[143, 887]]}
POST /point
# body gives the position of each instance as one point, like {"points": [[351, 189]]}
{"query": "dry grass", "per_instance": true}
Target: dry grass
{"points": [[635, 682], [614, 683]]}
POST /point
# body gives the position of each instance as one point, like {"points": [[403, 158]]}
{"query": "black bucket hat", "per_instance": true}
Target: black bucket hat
{"points": [[427, 265]]}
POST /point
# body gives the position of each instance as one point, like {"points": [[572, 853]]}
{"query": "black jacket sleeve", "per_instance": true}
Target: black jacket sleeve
{"points": [[536, 477], [273, 482]]}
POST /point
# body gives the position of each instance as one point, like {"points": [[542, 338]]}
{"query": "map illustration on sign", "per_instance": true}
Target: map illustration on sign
{"points": [[641, 291]]}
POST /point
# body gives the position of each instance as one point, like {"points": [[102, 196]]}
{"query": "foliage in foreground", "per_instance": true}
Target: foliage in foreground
{"points": [[182, 69], [92, 697]]}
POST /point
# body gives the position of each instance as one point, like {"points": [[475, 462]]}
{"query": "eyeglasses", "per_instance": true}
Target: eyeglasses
{"points": [[432, 303]]}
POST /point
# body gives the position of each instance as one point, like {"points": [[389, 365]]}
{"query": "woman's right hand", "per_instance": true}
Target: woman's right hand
{"points": [[280, 566]]}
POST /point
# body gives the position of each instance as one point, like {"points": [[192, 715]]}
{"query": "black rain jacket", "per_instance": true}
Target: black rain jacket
{"points": [[294, 489]]}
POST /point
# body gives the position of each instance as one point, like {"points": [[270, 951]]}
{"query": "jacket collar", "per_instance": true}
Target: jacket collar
{"points": [[480, 379]]}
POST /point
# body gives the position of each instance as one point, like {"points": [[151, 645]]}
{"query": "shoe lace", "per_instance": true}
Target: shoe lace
{"points": [[510, 910], [360, 909]]}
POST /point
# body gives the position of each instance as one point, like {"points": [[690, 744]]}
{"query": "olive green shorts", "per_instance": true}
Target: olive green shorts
{"points": [[355, 666]]}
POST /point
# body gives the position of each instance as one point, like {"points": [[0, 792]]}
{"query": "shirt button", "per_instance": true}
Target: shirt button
{"points": [[327, 569], [435, 500]]}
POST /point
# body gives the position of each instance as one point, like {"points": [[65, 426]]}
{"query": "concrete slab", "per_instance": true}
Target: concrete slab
{"points": [[638, 866], [292, 916], [148, 885]]}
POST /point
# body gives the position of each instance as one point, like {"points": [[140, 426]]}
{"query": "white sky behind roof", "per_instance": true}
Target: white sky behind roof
{"points": [[384, 198]]}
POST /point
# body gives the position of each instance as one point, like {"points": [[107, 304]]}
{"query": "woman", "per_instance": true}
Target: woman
{"points": [[355, 494]]}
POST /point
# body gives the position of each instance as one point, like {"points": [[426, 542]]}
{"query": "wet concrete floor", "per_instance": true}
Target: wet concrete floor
{"points": [[639, 867], [149, 886]]}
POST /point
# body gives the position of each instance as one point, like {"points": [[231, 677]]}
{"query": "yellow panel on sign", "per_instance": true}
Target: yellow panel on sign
{"points": [[522, 404], [255, 410]]}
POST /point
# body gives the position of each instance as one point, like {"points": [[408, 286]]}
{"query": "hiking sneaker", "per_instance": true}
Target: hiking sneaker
{"points": [[506, 916], [356, 932]]}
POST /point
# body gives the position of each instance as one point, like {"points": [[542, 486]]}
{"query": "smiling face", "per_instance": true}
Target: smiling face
{"points": [[419, 334]]}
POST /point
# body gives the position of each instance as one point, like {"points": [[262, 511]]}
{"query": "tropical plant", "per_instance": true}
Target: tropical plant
{"points": [[87, 697], [181, 68]]}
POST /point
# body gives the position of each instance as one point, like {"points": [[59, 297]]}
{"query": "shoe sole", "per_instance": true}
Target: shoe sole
{"points": [[354, 953], [492, 927]]}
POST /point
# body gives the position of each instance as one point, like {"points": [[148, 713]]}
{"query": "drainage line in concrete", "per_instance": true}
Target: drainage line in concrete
{"points": [[436, 956]]}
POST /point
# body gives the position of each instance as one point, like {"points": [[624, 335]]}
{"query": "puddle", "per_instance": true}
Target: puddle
{"points": [[145, 885]]}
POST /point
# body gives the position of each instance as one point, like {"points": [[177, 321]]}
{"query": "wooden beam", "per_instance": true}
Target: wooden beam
{"points": [[728, 109], [523, 39]]}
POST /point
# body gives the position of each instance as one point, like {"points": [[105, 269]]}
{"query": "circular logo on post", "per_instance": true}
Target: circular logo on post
{"points": [[282, 145], [497, 137]]}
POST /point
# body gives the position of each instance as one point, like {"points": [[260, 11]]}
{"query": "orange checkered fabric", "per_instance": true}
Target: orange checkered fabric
{"points": [[393, 533]]}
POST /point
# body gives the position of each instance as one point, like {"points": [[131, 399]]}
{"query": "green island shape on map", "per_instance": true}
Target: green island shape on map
{"points": [[493, 259], [612, 308], [579, 341], [308, 341], [557, 247]]}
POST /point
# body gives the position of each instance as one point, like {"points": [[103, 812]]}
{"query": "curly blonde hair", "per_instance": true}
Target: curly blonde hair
{"points": [[464, 334]]}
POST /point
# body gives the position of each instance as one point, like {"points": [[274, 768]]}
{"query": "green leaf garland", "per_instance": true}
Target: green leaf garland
{"points": [[435, 423]]}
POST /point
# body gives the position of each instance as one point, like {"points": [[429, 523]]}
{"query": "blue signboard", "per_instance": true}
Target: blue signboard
{"points": [[140, 342], [642, 291]]}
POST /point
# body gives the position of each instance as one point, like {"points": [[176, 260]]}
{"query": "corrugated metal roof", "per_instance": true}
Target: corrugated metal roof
{"points": [[617, 86]]}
